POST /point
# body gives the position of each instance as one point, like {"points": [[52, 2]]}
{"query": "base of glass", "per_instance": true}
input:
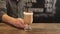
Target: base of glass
{"points": [[28, 28]]}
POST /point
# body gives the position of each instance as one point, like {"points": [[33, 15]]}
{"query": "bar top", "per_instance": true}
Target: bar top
{"points": [[37, 28]]}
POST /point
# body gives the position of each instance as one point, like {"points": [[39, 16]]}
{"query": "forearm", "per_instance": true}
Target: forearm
{"points": [[7, 18]]}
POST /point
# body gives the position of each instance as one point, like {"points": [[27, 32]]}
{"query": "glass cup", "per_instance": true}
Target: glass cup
{"points": [[28, 19]]}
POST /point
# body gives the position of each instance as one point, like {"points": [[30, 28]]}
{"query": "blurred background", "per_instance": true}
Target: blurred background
{"points": [[45, 11]]}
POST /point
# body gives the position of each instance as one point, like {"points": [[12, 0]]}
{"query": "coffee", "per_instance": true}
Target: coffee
{"points": [[28, 17]]}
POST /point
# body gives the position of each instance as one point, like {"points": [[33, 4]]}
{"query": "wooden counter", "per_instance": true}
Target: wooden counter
{"points": [[37, 28]]}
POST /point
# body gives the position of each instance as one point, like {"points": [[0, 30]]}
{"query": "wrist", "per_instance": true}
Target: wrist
{"points": [[12, 20]]}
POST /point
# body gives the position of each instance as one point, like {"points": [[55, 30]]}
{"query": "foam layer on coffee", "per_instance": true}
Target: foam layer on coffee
{"points": [[26, 13]]}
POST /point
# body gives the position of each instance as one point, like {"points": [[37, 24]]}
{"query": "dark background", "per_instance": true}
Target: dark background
{"points": [[49, 19]]}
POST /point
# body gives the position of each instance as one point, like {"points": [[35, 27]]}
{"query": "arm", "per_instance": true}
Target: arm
{"points": [[8, 19], [13, 21], [3, 11]]}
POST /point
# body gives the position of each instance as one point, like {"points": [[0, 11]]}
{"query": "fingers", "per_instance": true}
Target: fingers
{"points": [[21, 21], [19, 24]]}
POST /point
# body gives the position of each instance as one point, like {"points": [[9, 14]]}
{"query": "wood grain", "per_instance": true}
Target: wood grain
{"points": [[37, 28]]}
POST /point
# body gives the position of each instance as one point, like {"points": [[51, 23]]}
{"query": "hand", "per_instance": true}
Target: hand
{"points": [[18, 23]]}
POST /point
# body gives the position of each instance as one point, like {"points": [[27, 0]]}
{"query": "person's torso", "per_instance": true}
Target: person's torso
{"points": [[14, 9]]}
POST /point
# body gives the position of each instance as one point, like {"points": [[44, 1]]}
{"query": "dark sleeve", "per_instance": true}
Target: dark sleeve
{"points": [[1, 14], [3, 8]]}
